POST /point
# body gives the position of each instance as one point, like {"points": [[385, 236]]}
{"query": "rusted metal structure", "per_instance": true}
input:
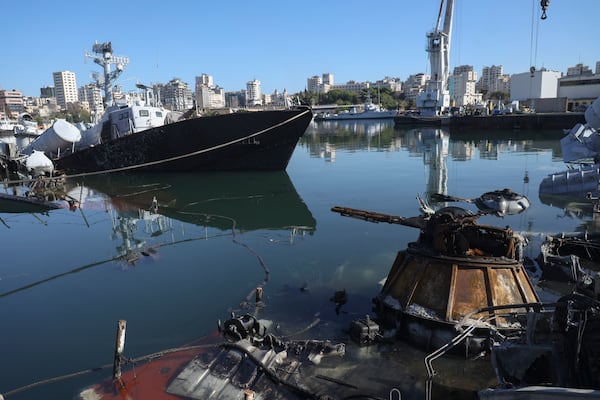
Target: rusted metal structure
{"points": [[457, 274]]}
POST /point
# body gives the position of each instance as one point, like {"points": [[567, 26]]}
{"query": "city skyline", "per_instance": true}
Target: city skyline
{"points": [[283, 44]]}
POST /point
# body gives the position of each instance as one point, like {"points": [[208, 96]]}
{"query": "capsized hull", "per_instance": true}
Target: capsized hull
{"points": [[262, 140]]}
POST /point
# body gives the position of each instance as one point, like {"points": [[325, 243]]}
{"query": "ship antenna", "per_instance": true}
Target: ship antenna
{"points": [[104, 57]]}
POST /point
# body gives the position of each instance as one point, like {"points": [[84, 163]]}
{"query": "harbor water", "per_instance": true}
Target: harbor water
{"points": [[174, 254]]}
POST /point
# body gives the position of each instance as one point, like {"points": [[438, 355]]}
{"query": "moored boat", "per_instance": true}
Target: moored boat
{"points": [[145, 136], [263, 140], [369, 111]]}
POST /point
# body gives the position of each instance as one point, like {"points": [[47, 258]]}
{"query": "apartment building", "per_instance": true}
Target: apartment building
{"points": [[11, 103], [462, 88], [176, 95], [65, 88], [208, 96], [253, 93]]}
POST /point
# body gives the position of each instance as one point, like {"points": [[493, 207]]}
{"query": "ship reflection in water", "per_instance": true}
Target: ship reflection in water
{"points": [[146, 210]]}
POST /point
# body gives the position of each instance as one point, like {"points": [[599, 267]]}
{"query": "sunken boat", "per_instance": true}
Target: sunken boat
{"points": [[454, 280], [145, 136], [571, 257]]}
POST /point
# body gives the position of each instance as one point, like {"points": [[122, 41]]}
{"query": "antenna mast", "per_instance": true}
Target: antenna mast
{"points": [[104, 57]]}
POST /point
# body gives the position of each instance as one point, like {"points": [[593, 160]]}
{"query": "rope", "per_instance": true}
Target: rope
{"points": [[174, 158]]}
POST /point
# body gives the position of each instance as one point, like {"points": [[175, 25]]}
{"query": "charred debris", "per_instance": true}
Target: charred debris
{"points": [[462, 288]]}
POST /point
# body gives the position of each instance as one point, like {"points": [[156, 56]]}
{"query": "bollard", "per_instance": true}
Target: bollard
{"points": [[119, 347]]}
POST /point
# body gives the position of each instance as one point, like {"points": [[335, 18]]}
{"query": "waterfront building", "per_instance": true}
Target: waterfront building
{"points": [[328, 79], [352, 86], [47, 92], [540, 84], [253, 93], [280, 100], [320, 84], [502, 84], [204, 80], [580, 90], [489, 78], [328, 82], [176, 95], [266, 99], [235, 99], [314, 84], [414, 85], [462, 69], [394, 84], [92, 94], [11, 103], [579, 69], [462, 88], [65, 88], [208, 96]]}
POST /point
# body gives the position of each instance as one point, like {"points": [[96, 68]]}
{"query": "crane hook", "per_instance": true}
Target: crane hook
{"points": [[544, 4]]}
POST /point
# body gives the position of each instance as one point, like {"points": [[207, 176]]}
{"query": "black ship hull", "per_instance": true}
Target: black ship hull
{"points": [[263, 140]]}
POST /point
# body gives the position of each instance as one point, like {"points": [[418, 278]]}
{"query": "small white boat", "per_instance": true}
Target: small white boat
{"points": [[370, 111]]}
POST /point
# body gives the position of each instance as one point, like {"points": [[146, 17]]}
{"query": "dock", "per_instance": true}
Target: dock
{"points": [[528, 121]]}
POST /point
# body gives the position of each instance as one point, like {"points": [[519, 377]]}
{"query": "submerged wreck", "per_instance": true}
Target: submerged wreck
{"points": [[571, 257], [456, 276]]}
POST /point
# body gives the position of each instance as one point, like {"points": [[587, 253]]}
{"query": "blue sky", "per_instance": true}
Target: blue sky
{"points": [[282, 43]]}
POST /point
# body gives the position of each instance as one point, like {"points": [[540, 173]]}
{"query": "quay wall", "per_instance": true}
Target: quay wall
{"points": [[517, 121]]}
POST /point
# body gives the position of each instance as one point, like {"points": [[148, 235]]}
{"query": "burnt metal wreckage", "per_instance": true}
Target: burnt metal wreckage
{"points": [[463, 285], [455, 267]]}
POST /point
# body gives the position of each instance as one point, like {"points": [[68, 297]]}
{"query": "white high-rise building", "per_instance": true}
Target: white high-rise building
{"points": [[208, 96], [463, 88], [489, 78], [65, 88], [314, 84], [93, 96], [253, 93]]}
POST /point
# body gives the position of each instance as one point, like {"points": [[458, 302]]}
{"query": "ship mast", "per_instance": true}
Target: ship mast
{"points": [[104, 57], [436, 97]]}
